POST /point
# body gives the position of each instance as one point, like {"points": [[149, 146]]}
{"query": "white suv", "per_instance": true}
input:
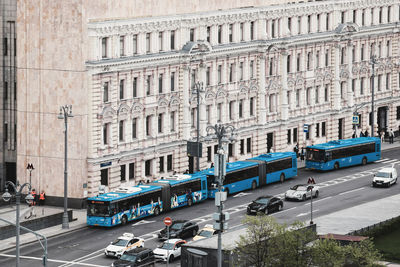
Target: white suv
{"points": [[385, 177]]}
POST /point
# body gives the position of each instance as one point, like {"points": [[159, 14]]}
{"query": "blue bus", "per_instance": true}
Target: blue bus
{"points": [[136, 202], [343, 153], [254, 172]]}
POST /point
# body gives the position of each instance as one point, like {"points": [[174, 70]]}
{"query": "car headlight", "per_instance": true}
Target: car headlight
{"points": [[172, 235]]}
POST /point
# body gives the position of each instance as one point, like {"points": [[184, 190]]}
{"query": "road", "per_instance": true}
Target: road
{"points": [[339, 190]]}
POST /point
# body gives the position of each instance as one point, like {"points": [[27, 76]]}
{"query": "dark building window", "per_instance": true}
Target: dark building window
{"points": [[323, 129], [169, 163], [134, 87], [241, 146], [123, 167], [147, 168], [209, 154], [161, 164], [104, 177], [249, 145], [131, 171]]}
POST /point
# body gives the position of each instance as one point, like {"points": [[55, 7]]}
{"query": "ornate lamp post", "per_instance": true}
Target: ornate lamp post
{"points": [[373, 62], [6, 197], [65, 113], [198, 88], [224, 134]]}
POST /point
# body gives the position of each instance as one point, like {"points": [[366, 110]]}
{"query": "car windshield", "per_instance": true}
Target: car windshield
{"points": [[167, 246], [128, 257], [120, 242], [263, 201], [205, 233], [177, 226], [299, 188], [383, 174]]}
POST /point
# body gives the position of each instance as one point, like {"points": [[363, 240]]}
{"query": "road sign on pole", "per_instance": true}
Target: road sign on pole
{"points": [[305, 128], [356, 119], [167, 221]]}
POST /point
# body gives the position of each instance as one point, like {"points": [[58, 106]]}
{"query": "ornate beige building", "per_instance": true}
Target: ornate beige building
{"points": [[129, 70]]}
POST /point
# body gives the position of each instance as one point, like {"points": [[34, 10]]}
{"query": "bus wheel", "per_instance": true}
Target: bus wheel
{"points": [[190, 202], [282, 177], [304, 198], [336, 166], [156, 211], [124, 220], [253, 185], [227, 191], [364, 161]]}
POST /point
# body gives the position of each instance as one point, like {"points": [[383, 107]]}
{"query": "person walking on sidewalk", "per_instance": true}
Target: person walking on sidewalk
{"points": [[391, 136], [42, 198], [33, 193]]}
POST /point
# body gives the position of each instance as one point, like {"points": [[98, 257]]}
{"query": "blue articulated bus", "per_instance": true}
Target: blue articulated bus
{"points": [[254, 172], [343, 153], [136, 202]]}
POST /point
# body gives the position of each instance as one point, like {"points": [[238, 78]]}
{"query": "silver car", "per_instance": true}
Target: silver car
{"points": [[302, 192]]}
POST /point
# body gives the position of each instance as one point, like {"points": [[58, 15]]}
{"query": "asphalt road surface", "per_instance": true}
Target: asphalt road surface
{"points": [[339, 190]]}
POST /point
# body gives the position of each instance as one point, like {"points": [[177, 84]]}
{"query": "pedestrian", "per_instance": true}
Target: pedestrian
{"points": [[42, 198], [361, 134], [391, 136], [33, 193], [354, 134], [296, 150], [366, 134], [212, 165], [382, 136], [302, 154]]}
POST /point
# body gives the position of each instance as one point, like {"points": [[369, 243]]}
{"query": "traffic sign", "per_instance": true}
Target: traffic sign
{"points": [[356, 119], [305, 128], [167, 221]]}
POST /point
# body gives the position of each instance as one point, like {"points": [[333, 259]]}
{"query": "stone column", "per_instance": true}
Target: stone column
{"points": [[186, 105], [261, 88], [284, 88], [336, 90], [202, 80], [350, 94]]}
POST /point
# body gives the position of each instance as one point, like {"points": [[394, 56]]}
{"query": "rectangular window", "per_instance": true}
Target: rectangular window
{"points": [[160, 41], [317, 59], [209, 149], [172, 40], [363, 17], [231, 67], [327, 58], [271, 66], [134, 128], [121, 89], [219, 34], [252, 69], [323, 129], [354, 16], [208, 34], [273, 28], [208, 76], [172, 121], [134, 87], [362, 86], [122, 46], [398, 113], [105, 133], [241, 70], [252, 30], [169, 163], [230, 150], [309, 61], [318, 22], [298, 62], [317, 95], [297, 97], [230, 33], [219, 74], [160, 123], [389, 14], [172, 81], [105, 91], [241, 108], [342, 17], [289, 136], [308, 96], [231, 109], [121, 131], [5, 132], [327, 22], [219, 111], [148, 42], [131, 171], [362, 52], [252, 106], [148, 85], [160, 84], [148, 125], [104, 42], [161, 160], [147, 167], [309, 23], [242, 32], [241, 146], [248, 145], [134, 44], [326, 94], [104, 177], [193, 80], [208, 113], [289, 24], [317, 130], [379, 82], [353, 85], [191, 36], [123, 170], [294, 135]]}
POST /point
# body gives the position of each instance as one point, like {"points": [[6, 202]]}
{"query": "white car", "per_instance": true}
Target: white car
{"points": [[385, 177], [170, 250], [302, 192], [126, 242]]}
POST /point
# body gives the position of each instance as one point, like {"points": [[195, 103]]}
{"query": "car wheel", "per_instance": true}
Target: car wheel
{"points": [[280, 207], [373, 184], [156, 211], [266, 211], [304, 198], [190, 202], [282, 177], [194, 233], [364, 161], [336, 166], [316, 194], [253, 185], [171, 258], [395, 181], [388, 184], [124, 220]]}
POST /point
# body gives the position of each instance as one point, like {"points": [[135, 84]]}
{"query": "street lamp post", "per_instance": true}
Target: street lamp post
{"points": [[198, 88], [373, 62], [30, 168], [65, 113], [220, 132], [6, 197]]}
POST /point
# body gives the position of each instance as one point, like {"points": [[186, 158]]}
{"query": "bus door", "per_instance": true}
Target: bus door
{"points": [[262, 171], [165, 195]]}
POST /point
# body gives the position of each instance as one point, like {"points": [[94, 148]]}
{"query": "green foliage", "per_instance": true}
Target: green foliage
{"points": [[269, 244]]}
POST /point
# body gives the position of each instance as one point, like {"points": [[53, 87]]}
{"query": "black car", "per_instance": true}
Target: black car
{"points": [[179, 229], [265, 204], [136, 257]]}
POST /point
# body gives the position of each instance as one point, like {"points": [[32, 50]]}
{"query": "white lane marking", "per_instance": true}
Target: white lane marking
{"points": [[351, 191], [306, 213], [284, 210], [316, 201], [242, 194], [381, 160], [50, 260], [392, 160], [142, 222]]}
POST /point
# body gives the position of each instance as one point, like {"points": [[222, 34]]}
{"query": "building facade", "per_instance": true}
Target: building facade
{"points": [[268, 70], [8, 84]]}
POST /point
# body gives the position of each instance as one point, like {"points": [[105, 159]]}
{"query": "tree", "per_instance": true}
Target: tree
{"points": [[327, 252], [362, 253]]}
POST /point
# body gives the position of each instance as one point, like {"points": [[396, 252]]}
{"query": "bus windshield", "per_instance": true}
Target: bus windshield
{"points": [[97, 209], [315, 155]]}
